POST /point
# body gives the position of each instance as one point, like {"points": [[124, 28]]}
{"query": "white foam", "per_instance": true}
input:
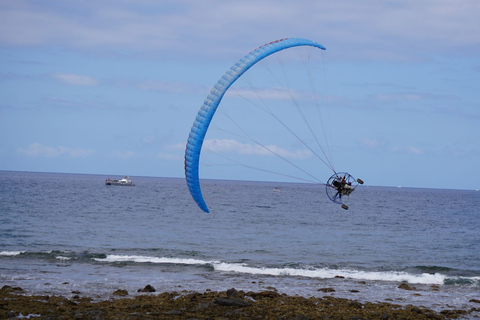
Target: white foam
{"points": [[148, 259], [62, 258], [320, 273], [11, 253], [325, 273]]}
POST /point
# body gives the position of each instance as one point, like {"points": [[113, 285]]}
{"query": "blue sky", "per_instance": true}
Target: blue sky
{"points": [[113, 87]]}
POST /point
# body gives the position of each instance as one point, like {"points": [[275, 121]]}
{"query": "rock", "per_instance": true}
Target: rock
{"points": [[214, 305], [263, 294], [204, 305], [7, 288], [120, 292], [414, 309], [232, 302], [355, 304], [405, 286], [453, 313], [233, 293], [474, 300], [173, 312], [148, 288], [236, 313], [326, 290], [135, 315]]}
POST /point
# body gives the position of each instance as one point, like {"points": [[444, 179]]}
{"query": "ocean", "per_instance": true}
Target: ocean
{"points": [[68, 234]]}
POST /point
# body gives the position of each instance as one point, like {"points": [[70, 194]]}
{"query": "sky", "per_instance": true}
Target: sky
{"points": [[113, 87]]}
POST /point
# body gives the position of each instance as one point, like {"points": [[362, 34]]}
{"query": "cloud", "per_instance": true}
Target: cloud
{"points": [[278, 93], [370, 26], [75, 79], [38, 150], [233, 146]]}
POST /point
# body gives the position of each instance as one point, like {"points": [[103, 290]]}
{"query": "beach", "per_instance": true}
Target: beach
{"points": [[230, 304]]}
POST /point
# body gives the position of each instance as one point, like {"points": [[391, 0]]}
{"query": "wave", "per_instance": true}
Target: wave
{"points": [[433, 269], [53, 254], [463, 281], [11, 253], [301, 271], [325, 273], [427, 274], [147, 259]]}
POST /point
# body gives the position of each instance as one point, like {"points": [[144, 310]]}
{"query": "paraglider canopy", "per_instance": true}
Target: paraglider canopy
{"points": [[205, 115], [209, 107]]}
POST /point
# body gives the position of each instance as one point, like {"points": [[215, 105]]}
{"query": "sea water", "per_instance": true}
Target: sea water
{"points": [[68, 234]]}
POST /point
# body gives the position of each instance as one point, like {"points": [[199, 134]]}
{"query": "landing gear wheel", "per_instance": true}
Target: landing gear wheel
{"points": [[360, 181], [344, 206]]}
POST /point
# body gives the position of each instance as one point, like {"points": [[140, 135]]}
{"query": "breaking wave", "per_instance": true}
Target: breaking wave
{"points": [[300, 271], [426, 275]]}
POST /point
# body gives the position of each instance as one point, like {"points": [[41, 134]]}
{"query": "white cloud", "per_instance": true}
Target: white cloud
{"points": [[370, 26], [38, 150], [233, 146], [265, 93], [75, 79]]}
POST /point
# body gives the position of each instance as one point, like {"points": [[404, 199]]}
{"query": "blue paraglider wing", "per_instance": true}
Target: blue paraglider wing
{"points": [[205, 115]]}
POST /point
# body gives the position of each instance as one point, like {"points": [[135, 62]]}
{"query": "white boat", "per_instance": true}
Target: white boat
{"points": [[122, 182]]}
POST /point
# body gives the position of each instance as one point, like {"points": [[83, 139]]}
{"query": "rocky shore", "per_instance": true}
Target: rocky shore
{"points": [[230, 304]]}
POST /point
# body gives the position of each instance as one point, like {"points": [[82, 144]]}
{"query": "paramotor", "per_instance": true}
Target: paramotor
{"points": [[341, 184]]}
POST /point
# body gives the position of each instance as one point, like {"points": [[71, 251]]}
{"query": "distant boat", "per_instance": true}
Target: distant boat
{"points": [[122, 182]]}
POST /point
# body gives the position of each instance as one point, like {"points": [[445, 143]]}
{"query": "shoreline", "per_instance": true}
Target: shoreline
{"points": [[230, 304]]}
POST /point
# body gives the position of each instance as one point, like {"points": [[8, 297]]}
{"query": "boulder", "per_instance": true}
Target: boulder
{"points": [[148, 288]]}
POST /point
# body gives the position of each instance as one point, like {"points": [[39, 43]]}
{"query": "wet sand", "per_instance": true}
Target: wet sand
{"points": [[230, 304]]}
